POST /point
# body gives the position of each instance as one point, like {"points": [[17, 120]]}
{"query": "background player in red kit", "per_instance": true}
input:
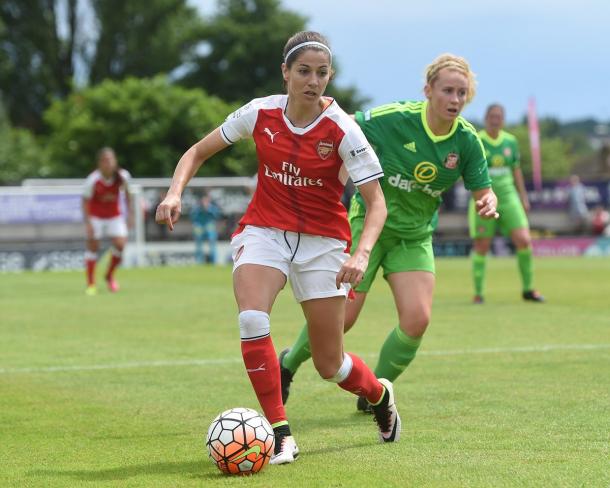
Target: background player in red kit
{"points": [[296, 228], [102, 213]]}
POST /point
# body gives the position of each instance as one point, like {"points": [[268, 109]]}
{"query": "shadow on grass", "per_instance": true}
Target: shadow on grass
{"points": [[190, 469]]}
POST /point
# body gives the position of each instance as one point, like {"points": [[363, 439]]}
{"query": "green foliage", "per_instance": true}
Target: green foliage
{"points": [[20, 154], [143, 37], [149, 122], [556, 152], [243, 44], [35, 63], [122, 38]]}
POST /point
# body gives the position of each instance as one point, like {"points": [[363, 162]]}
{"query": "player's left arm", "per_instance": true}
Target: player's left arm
{"points": [[353, 269], [477, 180]]}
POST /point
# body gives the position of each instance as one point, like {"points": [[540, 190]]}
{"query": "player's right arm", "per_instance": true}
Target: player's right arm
{"points": [[238, 125], [168, 211]]}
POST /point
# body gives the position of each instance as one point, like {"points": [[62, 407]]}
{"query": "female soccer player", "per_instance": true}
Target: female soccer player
{"points": [[296, 227], [502, 154], [102, 214], [424, 147]]}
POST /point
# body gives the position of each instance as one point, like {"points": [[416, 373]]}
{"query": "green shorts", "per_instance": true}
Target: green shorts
{"points": [[512, 216], [394, 255]]}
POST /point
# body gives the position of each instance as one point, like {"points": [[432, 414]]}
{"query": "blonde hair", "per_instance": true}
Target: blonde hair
{"points": [[454, 63]]}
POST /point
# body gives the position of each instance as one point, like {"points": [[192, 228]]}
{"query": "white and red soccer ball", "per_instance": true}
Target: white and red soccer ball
{"points": [[240, 441]]}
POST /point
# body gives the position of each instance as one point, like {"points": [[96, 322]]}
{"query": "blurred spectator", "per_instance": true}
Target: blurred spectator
{"points": [[577, 204], [204, 216], [599, 221]]}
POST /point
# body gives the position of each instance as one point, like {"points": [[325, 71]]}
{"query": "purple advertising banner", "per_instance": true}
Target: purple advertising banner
{"points": [[554, 195], [37, 209], [569, 246]]}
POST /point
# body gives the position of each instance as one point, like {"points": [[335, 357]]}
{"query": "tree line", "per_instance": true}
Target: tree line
{"points": [[148, 77]]}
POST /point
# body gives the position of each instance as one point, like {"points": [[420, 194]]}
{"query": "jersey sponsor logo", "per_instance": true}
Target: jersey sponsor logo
{"points": [[409, 185], [291, 176], [271, 134], [425, 172], [325, 148], [359, 151], [410, 146], [497, 160], [508, 152], [451, 161]]}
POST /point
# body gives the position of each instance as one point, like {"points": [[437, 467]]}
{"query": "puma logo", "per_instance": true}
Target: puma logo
{"points": [[270, 134], [260, 368]]}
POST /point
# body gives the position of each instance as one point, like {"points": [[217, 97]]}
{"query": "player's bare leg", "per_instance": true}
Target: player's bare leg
{"points": [[523, 244], [292, 358], [93, 246], [480, 249], [256, 288], [413, 291], [325, 319], [118, 244]]}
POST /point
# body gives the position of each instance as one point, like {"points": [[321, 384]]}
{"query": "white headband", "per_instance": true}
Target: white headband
{"points": [[308, 43]]}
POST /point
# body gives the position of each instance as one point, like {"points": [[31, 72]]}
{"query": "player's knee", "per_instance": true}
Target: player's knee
{"points": [[481, 247], [416, 323], [523, 240], [335, 370], [93, 245], [327, 366], [253, 324]]}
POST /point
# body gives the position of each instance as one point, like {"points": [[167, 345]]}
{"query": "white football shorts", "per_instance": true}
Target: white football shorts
{"points": [[310, 263], [109, 228]]}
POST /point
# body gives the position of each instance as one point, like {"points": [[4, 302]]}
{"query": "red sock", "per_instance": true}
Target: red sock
{"points": [[114, 262], [264, 371], [362, 381], [90, 271]]}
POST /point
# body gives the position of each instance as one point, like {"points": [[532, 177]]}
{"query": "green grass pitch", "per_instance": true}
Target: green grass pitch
{"points": [[118, 390]]}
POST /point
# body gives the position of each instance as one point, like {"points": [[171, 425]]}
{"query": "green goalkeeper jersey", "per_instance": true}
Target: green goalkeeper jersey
{"points": [[502, 157], [418, 165]]}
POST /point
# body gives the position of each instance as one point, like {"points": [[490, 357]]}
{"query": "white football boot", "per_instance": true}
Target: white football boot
{"points": [[386, 415], [286, 450]]}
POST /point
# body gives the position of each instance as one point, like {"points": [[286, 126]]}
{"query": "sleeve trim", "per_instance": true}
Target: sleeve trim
{"points": [[375, 176], [225, 137]]}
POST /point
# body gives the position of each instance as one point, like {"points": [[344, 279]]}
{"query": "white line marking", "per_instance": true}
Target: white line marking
{"points": [[221, 361]]}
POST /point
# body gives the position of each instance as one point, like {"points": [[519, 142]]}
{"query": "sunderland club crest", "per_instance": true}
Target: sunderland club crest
{"points": [[451, 161], [325, 148]]}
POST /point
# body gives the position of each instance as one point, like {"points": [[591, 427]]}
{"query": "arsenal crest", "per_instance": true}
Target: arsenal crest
{"points": [[451, 161], [325, 148]]}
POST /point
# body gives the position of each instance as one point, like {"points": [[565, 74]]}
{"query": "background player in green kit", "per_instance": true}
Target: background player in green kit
{"points": [[502, 152], [423, 147]]}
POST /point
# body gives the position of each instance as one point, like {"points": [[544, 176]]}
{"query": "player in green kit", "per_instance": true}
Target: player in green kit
{"points": [[502, 153], [423, 147]]}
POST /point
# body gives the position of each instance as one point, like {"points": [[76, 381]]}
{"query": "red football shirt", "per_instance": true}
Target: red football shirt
{"points": [[104, 195], [298, 186]]}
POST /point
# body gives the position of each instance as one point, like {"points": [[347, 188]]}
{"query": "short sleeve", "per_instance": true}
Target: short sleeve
{"points": [[371, 127], [474, 170], [126, 178], [240, 124], [358, 156], [88, 186]]}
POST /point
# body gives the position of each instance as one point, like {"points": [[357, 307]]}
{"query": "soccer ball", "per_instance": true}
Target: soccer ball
{"points": [[240, 441]]}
